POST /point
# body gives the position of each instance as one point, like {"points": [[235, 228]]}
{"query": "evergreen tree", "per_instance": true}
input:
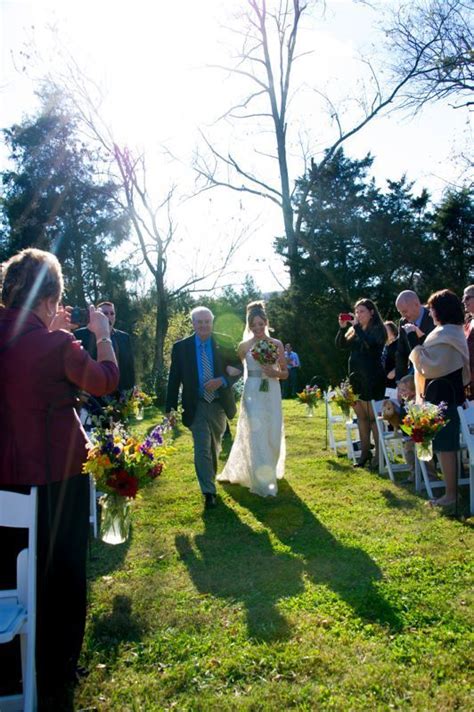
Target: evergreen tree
{"points": [[54, 200], [453, 228]]}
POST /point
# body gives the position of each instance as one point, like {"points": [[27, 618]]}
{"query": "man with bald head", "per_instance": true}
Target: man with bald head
{"points": [[415, 325]]}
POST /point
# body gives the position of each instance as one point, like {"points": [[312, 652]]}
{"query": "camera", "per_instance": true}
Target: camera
{"points": [[79, 316], [346, 317]]}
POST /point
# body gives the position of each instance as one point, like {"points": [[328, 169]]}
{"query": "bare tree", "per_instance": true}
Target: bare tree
{"points": [[439, 36], [154, 241], [266, 60]]}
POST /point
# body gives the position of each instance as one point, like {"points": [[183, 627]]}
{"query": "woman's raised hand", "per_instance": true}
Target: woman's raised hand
{"points": [[98, 323]]}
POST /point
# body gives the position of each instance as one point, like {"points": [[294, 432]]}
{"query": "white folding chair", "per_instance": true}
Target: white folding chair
{"points": [[86, 422], [92, 506], [333, 420], [18, 605], [390, 445], [352, 440], [422, 479], [466, 417]]}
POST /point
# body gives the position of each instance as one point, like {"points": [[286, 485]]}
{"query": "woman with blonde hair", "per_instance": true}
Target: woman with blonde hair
{"points": [[257, 457], [364, 339]]}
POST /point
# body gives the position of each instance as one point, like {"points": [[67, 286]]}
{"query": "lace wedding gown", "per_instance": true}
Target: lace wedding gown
{"points": [[257, 457]]}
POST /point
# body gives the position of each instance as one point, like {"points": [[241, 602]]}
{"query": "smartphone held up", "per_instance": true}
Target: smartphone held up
{"points": [[80, 316]]}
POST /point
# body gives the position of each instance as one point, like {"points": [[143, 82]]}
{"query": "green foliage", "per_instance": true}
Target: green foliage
{"points": [[359, 241], [343, 592], [453, 229], [53, 199]]}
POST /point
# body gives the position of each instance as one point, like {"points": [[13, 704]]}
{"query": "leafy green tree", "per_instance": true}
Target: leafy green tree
{"points": [[357, 241], [453, 228], [53, 199]]}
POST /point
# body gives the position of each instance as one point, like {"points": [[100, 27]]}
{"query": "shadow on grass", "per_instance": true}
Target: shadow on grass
{"points": [[232, 561], [340, 467], [107, 632], [397, 501], [106, 558], [347, 570]]}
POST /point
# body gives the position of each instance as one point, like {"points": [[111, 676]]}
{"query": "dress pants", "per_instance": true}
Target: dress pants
{"points": [[63, 529], [207, 429]]}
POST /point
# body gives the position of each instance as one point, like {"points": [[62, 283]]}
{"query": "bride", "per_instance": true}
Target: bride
{"points": [[257, 457]]}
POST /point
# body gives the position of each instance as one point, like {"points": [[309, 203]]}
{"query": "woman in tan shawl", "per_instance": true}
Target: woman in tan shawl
{"points": [[441, 374]]}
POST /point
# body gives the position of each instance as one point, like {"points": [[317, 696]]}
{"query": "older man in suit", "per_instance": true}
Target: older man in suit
{"points": [[415, 325], [205, 365]]}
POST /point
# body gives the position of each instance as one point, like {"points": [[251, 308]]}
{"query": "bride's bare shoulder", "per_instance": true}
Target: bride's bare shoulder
{"points": [[243, 347]]}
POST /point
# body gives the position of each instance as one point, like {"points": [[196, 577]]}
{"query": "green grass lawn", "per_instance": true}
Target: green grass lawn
{"points": [[345, 592]]}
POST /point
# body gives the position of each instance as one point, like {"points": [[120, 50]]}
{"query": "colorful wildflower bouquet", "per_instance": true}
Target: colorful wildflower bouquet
{"points": [[129, 404], [266, 354], [421, 423], [121, 466], [344, 396]]}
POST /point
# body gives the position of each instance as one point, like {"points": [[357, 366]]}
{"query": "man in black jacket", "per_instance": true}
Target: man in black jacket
{"points": [[121, 343], [205, 365], [415, 325]]}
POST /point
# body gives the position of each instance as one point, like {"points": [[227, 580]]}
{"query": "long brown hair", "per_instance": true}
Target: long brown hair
{"points": [[375, 322]]}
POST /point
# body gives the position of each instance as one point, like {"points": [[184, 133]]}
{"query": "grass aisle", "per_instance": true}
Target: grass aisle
{"points": [[344, 593]]}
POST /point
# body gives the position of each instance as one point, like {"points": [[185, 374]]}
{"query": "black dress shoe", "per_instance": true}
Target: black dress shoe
{"points": [[210, 500], [363, 461]]}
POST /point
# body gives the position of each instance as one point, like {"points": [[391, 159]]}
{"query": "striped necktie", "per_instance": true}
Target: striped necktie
{"points": [[206, 374]]}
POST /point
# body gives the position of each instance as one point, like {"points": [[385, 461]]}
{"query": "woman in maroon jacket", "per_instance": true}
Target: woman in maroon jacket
{"points": [[42, 443]]}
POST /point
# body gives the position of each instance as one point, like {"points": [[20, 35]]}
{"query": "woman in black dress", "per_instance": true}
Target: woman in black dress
{"points": [[365, 340]]}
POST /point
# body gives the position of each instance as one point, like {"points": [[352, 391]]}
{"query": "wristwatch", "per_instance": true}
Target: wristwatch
{"points": [[104, 340]]}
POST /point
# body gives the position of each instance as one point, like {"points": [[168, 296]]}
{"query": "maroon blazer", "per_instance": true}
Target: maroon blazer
{"points": [[41, 437]]}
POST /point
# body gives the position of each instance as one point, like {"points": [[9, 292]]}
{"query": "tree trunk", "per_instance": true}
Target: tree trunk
{"points": [[161, 329]]}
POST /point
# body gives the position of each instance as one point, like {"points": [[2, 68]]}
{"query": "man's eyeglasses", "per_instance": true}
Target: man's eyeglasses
{"points": [[467, 297]]}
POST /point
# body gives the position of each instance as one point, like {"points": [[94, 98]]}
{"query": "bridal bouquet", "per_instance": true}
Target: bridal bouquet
{"points": [[421, 423], [122, 465], [266, 354], [344, 396]]}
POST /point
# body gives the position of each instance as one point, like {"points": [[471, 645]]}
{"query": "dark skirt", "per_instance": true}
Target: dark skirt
{"points": [[447, 440]]}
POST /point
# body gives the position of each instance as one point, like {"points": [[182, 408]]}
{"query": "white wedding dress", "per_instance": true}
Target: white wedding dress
{"points": [[257, 457]]}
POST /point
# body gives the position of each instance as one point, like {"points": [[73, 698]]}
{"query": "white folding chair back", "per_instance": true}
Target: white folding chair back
{"points": [[92, 506], [352, 440], [466, 418], [332, 420], [390, 445], [18, 605]]}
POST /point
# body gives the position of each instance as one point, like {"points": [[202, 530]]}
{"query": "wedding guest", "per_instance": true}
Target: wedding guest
{"points": [[365, 339], [389, 352], [293, 363], [468, 301], [441, 372], [415, 324], [121, 342], [43, 444]]}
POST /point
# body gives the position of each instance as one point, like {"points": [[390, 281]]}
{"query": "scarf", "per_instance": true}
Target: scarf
{"points": [[443, 351]]}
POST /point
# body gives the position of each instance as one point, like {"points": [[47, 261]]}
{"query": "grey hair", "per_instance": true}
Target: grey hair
{"points": [[408, 295], [197, 310]]}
